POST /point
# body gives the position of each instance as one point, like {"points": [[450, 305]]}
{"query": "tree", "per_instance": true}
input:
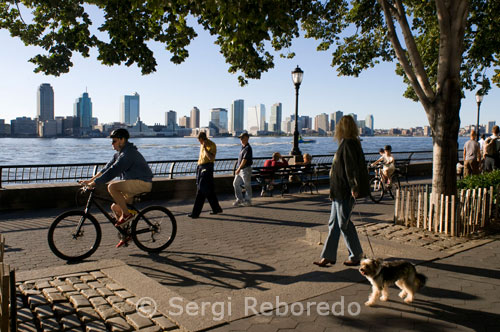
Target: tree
{"points": [[449, 44]]}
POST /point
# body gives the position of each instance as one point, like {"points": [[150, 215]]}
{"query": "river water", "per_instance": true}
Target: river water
{"points": [[29, 151]]}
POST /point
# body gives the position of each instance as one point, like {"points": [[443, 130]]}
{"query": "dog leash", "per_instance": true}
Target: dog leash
{"points": [[366, 233]]}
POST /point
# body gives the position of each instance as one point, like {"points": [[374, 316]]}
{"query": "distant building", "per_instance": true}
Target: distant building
{"points": [[369, 124], [275, 119], [45, 102], [171, 120], [286, 126], [185, 122], [335, 119], [236, 124], [130, 109], [23, 127], [195, 117], [2, 128], [256, 120], [140, 129], [218, 120], [354, 116], [305, 124], [427, 131], [491, 124], [82, 110], [47, 128], [321, 124]]}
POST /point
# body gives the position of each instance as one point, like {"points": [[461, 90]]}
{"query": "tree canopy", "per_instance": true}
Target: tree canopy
{"points": [[355, 31]]}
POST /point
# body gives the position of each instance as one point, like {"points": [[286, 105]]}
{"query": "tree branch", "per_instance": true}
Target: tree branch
{"points": [[400, 53], [413, 52]]}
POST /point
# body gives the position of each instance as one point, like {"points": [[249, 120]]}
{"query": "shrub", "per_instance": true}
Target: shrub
{"points": [[484, 180]]}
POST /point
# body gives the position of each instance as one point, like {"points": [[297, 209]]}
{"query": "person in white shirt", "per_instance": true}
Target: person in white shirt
{"points": [[389, 164]]}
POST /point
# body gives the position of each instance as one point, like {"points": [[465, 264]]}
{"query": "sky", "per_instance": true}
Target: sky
{"points": [[203, 81]]}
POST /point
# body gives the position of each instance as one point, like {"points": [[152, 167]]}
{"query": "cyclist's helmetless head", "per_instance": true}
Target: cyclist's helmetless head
{"points": [[119, 138]]}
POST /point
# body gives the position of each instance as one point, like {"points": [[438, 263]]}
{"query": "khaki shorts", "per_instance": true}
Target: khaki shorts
{"points": [[131, 188]]}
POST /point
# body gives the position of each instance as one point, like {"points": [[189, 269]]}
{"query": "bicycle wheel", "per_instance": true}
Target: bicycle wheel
{"points": [[68, 243], [154, 229], [395, 185], [376, 189]]}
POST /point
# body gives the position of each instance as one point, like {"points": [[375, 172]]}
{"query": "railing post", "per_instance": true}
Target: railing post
{"points": [[1, 177], [172, 170]]}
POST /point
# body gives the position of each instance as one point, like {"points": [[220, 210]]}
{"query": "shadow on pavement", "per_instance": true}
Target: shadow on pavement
{"points": [[476, 271]]}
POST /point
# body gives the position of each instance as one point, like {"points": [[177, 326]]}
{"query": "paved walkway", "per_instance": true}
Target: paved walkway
{"points": [[262, 255]]}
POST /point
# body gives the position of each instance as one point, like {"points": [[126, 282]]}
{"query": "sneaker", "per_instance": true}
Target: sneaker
{"points": [[125, 219], [247, 203], [123, 242], [238, 203]]}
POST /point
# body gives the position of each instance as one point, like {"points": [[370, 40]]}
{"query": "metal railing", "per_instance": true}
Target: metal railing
{"points": [[30, 174]]}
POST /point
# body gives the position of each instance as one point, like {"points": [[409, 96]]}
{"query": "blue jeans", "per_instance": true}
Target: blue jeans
{"points": [[340, 222], [244, 178]]}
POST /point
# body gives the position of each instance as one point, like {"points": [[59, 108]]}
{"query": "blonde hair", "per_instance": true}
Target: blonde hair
{"points": [[307, 156], [346, 128]]}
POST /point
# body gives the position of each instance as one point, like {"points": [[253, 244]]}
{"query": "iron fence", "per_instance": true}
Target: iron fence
{"points": [[30, 174]]}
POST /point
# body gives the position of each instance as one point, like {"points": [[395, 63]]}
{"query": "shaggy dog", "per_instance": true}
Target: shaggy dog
{"points": [[383, 274]]}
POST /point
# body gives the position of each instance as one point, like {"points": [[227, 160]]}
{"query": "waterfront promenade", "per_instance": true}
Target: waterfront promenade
{"points": [[266, 251]]}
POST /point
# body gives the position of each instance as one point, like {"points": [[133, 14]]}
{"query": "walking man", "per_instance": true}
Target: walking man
{"points": [[205, 178], [243, 174], [472, 155]]}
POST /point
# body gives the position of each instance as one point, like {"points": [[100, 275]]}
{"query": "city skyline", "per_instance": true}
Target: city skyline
{"points": [[378, 91]]}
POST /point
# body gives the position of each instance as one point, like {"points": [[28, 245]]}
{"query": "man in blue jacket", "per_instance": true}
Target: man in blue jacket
{"points": [[135, 176]]}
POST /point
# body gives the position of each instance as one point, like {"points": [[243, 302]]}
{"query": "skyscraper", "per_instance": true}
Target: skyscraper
{"points": [[256, 120], [195, 117], [275, 119], [237, 116], [218, 120], [45, 102], [130, 109], [321, 123], [82, 110], [335, 119], [171, 120], [369, 123], [185, 122]]}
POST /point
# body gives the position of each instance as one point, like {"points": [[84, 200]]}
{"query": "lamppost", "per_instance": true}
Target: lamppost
{"points": [[479, 99], [297, 75]]}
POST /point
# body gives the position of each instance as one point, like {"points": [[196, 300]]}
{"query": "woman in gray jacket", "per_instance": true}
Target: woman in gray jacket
{"points": [[348, 181]]}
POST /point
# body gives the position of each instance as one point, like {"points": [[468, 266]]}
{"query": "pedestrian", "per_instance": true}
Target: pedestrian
{"points": [[491, 151], [348, 181], [243, 174], [472, 155], [205, 178]]}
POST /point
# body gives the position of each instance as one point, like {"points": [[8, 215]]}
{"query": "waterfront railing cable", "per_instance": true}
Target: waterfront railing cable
{"points": [[47, 173]]}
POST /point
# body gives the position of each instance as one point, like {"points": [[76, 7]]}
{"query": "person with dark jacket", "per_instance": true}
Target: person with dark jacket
{"points": [[348, 181], [134, 172], [205, 178]]}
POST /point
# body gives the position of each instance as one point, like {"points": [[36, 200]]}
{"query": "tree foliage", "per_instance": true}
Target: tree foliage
{"points": [[355, 31]]}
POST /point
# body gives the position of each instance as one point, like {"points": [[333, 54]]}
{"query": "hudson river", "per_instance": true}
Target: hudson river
{"points": [[27, 151]]}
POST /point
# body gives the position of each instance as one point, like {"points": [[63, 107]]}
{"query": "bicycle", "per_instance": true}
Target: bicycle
{"points": [[378, 188], [75, 235]]}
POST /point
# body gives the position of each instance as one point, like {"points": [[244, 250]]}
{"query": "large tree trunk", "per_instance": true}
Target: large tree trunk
{"points": [[445, 123]]}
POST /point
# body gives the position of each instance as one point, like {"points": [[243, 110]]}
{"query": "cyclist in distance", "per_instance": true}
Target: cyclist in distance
{"points": [[389, 164], [135, 176]]}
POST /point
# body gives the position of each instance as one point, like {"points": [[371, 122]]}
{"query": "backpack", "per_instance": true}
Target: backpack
{"points": [[490, 147]]}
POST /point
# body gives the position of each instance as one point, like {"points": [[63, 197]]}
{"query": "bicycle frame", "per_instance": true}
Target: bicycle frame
{"points": [[93, 200]]}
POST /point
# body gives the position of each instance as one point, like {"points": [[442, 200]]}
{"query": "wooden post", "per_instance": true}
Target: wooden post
{"points": [[441, 210], [407, 212], [490, 206], [484, 210], [426, 206], [453, 215], [4, 293], [419, 209], [396, 207], [431, 212], [446, 214]]}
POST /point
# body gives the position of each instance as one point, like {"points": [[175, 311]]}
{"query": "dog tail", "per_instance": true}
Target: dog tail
{"points": [[421, 280]]}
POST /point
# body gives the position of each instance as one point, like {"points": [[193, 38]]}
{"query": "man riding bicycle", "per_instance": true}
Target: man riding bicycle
{"points": [[388, 162], [135, 177]]}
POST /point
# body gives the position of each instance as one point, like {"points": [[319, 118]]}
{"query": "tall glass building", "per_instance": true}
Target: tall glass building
{"points": [[171, 120], [256, 120], [130, 109], [82, 110], [369, 123], [237, 116], [45, 102], [218, 120], [275, 119]]}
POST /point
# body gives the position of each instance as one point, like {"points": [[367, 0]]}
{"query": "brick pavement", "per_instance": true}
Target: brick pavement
{"points": [[247, 251]]}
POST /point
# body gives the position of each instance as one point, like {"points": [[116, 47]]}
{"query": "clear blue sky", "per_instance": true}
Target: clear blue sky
{"points": [[203, 81]]}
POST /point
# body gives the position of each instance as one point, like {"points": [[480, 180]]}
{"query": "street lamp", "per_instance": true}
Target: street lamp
{"points": [[297, 75], [479, 99]]}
